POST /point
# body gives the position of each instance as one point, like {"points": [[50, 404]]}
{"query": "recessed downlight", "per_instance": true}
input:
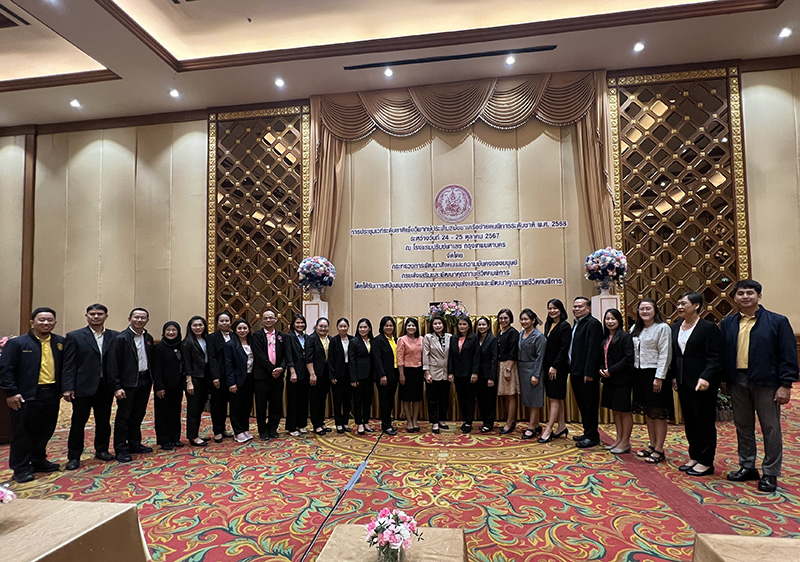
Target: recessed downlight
{"points": [[174, 93], [785, 32], [279, 82], [388, 72], [510, 60], [638, 47], [75, 103]]}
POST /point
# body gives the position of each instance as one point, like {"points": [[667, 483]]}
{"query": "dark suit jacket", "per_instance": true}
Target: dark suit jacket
{"points": [[167, 367], [363, 363], [262, 367], [556, 349], [384, 364], [508, 345], [21, 362], [702, 358], [773, 349], [215, 343], [315, 355], [194, 360], [620, 358], [84, 367], [295, 355], [587, 348], [487, 367], [236, 362], [338, 368], [465, 361], [123, 361]]}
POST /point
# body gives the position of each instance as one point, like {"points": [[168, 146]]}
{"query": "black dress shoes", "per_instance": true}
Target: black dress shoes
{"points": [[272, 434], [73, 464], [466, 427], [167, 447], [768, 483], [585, 443], [580, 437], [743, 475], [390, 431], [194, 443], [23, 477], [511, 428], [124, 457], [104, 456], [686, 467], [177, 444], [707, 472], [443, 425], [45, 466], [141, 449]]}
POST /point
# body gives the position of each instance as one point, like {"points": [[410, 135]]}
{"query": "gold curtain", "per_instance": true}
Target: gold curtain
{"points": [[503, 103]]}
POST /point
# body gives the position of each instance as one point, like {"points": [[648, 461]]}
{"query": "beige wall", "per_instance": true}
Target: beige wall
{"points": [[517, 175], [121, 219], [12, 175], [771, 103]]}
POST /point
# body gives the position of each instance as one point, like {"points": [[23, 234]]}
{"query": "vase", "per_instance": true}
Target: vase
{"points": [[386, 554], [316, 294]]}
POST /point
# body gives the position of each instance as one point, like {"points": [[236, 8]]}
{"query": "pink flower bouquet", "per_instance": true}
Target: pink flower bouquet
{"points": [[391, 531]]}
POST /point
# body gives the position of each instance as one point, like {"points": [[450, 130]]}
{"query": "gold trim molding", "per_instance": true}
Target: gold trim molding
{"points": [[639, 79]]}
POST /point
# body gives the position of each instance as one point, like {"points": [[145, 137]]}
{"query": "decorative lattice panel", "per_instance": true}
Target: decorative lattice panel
{"points": [[681, 217], [258, 179]]}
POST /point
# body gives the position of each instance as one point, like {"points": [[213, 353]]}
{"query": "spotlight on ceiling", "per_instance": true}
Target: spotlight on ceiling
{"points": [[174, 93], [279, 82], [510, 60], [638, 47], [388, 72], [76, 104], [785, 32]]}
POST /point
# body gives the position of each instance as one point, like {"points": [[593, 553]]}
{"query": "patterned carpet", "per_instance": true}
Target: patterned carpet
{"points": [[517, 500]]}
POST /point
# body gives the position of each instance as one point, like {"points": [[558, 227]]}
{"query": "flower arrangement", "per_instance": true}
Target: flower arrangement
{"points": [[6, 495], [391, 532], [451, 311], [606, 266], [316, 273]]}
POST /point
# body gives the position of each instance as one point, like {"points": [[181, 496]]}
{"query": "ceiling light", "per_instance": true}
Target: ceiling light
{"points": [[174, 93], [279, 82], [388, 73], [510, 60], [785, 32], [76, 104], [638, 47]]}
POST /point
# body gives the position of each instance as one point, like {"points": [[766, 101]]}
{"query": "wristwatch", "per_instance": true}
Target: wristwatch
{"points": [[786, 385]]}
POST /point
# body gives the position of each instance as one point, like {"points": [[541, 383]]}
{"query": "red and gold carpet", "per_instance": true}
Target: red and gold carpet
{"points": [[517, 500]]}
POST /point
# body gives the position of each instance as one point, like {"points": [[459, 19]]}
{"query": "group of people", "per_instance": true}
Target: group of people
{"points": [[753, 352]]}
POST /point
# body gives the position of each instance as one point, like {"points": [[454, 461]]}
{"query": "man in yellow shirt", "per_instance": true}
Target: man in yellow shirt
{"points": [[30, 374]]}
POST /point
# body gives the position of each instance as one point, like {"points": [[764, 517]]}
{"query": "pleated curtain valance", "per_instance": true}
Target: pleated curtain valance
{"points": [[503, 103]]}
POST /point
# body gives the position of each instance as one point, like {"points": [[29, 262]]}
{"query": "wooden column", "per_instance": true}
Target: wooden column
{"points": [[28, 223]]}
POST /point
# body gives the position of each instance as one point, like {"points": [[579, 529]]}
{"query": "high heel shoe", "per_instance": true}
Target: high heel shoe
{"points": [[563, 433], [545, 439], [504, 431], [436, 430]]}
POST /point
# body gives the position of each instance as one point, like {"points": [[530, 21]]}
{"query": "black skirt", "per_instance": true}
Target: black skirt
{"points": [[616, 396], [412, 390], [556, 389], [655, 405]]}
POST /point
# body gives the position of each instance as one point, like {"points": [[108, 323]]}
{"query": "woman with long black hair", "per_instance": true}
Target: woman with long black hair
{"points": [[363, 372], [168, 385], [409, 364], [487, 373], [435, 351], [297, 381], [240, 380], [317, 355], [340, 375], [616, 374], [555, 368], [197, 370], [387, 374], [507, 375], [530, 360], [462, 370]]}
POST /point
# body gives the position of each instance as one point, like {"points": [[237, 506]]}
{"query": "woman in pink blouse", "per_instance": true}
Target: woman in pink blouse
{"points": [[409, 363]]}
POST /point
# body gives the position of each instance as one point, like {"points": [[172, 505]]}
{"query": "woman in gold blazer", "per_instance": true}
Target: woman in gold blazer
{"points": [[435, 349]]}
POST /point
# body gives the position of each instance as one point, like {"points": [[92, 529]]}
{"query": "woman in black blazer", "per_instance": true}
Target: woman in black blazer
{"points": [[216, 361], [385, 344], [555, 368], [168, 384], [239, 378], [297, 381], [462, 369], [697, 365], [363, 373], [340, 375], [616, 373], [487, 373], [197, 370], [317, 354]]}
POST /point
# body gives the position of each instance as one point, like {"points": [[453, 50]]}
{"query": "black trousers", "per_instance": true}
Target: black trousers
{"points": [[82, 406], [438, 400], [342, 393], [487, 401], [167, 412], [219, 406], [362, 401], [466, 391], [269, 403], [195, 405], [32, 426], [241, 404], [587, 395], [296, 404], [386, 395], [700, 422], [130, 413], [318, 398]]}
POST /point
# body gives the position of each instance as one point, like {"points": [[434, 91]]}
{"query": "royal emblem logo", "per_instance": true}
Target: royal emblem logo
{"points": [[453, 203]]}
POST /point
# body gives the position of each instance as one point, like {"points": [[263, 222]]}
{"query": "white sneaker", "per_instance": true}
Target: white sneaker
{"points": [[303, 430], [247, 434], [294, 433], [241, 438]]}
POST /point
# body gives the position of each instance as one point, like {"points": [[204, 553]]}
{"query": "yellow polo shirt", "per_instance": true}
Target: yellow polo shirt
{"points": [[47, 370], [746, 324]]}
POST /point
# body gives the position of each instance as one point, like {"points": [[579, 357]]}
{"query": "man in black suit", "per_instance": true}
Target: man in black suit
{"points": [[30, 373], [584, 357], [128, 370], [269, 361], [216, 362], [85, 384]]}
